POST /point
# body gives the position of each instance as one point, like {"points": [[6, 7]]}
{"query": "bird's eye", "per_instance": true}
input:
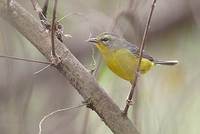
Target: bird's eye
{"points": [[104, 39]]}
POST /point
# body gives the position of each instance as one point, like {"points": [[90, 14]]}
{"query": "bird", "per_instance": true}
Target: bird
{"points": [[122, 56]]}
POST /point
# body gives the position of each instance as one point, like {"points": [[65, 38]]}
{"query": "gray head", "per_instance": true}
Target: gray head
{"points": [[110, 40]]}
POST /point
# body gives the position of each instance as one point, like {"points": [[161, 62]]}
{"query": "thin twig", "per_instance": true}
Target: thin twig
{"points": [[136, 73], [55, 112], [23, 59], [71, 14], [93, 64], [45, 7], [98, 64], [39, 10], [44, 68], [53, 28]]}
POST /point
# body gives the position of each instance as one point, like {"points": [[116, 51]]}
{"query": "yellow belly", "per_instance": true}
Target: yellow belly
{"points": [[123, 63]]}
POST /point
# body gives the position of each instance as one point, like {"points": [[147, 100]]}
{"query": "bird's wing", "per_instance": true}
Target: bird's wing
{"points": [[135, 50]]}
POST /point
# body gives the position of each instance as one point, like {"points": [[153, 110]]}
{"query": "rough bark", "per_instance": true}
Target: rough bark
{"points": [[70, 67]]}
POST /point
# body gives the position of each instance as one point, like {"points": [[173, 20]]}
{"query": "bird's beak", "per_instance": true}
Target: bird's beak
{"points": [[93, 40]]}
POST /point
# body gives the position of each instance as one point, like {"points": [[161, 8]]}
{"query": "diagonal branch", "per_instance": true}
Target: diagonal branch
{"points": [[140, 57], [70, 67]]}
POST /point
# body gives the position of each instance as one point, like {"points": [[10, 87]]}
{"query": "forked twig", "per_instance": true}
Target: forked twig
{"points": [[136, 75], [29, 60], [54, 27]]}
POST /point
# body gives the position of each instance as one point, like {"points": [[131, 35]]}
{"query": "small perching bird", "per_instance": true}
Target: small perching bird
{"points": [[121, 56]]}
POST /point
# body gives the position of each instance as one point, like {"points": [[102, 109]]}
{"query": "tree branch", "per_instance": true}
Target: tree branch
{"points": [[70, 67], [136, 75]]}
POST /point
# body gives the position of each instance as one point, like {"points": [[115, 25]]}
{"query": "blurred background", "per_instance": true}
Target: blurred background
{"points": [[167, 98]]}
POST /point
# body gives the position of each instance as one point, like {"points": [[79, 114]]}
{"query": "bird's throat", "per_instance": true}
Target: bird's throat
{"points": [[104, 50]]}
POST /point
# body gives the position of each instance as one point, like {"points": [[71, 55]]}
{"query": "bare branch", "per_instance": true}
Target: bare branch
{"points": [[136, 75], [70, 67]]}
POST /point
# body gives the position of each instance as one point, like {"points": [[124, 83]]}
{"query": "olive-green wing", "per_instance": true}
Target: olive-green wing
{"points": [[135, 50]]}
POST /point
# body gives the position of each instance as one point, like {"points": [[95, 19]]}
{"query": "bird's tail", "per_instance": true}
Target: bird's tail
{"points": [[169, 62]]}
